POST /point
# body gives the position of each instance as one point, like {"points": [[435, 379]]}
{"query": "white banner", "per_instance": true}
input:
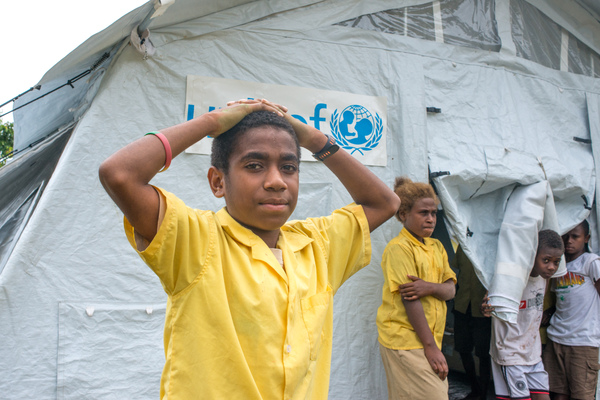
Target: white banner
{"points": [[357, 122]]}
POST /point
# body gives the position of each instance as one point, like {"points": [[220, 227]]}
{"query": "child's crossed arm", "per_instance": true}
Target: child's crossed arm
{"points": [[419, 288]]}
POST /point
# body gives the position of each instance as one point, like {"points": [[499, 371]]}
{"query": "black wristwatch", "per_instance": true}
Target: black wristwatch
{"points": [[330, 148]]}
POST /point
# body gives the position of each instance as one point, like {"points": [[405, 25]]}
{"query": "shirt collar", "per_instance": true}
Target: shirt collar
{"points": [[240, 233], [292, 240], [404, 232]]}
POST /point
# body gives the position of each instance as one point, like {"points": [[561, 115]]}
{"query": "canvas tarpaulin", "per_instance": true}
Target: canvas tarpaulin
{"points": [[505, 122], [504, 138]]}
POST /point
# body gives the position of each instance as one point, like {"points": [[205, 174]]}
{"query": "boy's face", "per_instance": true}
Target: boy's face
{"points": [[575, 241], [420, 220], [546, 262], [261, 186]]}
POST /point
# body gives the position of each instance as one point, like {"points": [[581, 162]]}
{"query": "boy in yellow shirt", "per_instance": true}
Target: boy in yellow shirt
{"points": [[250, 306], [412, 316]]}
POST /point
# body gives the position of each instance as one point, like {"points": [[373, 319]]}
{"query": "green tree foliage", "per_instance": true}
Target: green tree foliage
{"points": [[7, 136]]}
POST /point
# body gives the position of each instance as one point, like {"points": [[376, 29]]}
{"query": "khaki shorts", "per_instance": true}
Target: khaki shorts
{"points": [[573, 370], [409, 376]]}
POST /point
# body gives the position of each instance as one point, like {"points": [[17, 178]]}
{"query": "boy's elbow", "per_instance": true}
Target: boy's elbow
{"points": [[391, 206], [386, 208], [105, 173], [394, 204], [110, 176], [451, 290]]}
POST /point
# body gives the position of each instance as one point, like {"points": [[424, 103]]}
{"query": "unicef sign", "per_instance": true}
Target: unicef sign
{"points": [[358, 122], [355, 129]]}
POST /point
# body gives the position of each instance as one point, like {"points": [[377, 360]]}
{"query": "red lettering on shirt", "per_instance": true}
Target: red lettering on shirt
{"points": [[523, 304]]}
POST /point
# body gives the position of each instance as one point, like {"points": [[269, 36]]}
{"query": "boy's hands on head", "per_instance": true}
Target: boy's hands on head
{"points": [[226, 118], [309, 137]]}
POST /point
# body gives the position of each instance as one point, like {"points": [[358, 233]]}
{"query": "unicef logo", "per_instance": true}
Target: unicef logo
{"points": [[355, 129]]}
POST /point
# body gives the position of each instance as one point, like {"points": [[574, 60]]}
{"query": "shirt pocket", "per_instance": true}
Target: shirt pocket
{"points": [[314, 314]]}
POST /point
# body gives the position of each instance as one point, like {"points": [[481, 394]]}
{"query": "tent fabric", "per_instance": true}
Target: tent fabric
{"points": [[511, 139], [529, 209], [506, 123], [593, 111], [80, 372], [573, 18], [22, 182]]}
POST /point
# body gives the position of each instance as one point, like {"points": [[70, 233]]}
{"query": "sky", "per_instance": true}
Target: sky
{"points": [[36, 34]]}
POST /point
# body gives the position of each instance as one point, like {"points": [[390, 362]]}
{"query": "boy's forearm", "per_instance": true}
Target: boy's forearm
{"points": [[126, 174], [363, 185], [379, 202], [142, 159], [416, 317], [444, 291]]}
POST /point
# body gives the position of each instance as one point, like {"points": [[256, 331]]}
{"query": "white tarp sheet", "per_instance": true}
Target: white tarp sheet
{"points": [[497, 137], [505, 122], [528, 210]]}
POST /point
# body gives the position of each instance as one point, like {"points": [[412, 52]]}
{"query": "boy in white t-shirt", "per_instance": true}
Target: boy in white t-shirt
{"points": [[571, 354], [516, 349]]}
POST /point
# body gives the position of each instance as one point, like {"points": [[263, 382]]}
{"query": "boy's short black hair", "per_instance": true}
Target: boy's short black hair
{"points": [[224, 145], [550, 239]]}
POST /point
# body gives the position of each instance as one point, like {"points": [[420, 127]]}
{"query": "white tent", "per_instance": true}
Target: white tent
{"points": [[497, 102]]}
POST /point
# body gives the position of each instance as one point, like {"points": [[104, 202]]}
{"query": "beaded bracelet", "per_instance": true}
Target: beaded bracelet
{"points": [[167, 146]]}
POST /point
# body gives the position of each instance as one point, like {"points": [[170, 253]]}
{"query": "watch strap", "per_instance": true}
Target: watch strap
{"points": [[329, 149]]}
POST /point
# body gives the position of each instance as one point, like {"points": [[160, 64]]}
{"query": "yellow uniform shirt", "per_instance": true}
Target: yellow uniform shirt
{"points": [[238, 325], [404, 255]]}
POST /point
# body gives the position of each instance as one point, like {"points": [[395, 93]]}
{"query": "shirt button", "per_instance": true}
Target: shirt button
{"points": [[288, 348]]}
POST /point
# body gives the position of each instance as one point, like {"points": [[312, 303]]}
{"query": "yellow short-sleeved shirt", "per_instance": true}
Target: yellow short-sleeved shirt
{"points": [[404, 255], [238, 325]]}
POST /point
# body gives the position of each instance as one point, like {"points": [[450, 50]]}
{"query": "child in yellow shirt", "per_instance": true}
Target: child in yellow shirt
{"points": [[250, 308], [412, 316]]}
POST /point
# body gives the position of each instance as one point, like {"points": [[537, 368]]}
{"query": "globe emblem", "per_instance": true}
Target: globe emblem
{"points": [[356, 124], [356, 129]]}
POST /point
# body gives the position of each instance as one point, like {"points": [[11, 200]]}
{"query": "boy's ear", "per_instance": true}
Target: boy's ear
{"points": [[216, 180], [401, 216]]}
